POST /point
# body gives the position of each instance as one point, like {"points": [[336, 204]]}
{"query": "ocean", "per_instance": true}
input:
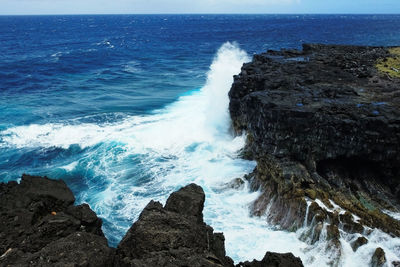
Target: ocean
{"points": [[129, 108]]}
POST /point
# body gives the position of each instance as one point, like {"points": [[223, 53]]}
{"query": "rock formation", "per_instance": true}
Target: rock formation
{"points": [[323, 124], [41, 227], [378, 259], [274, 260], [174, 235]]}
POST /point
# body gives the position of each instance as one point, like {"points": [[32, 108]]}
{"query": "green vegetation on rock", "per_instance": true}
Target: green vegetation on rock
{"points": [[390, 65]]}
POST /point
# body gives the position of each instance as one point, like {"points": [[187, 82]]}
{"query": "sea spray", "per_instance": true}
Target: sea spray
{"points": [[321, 252], [126, 164], [118, 167], [123, 165]]}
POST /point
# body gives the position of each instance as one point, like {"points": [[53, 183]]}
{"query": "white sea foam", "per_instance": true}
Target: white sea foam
{"points": [[129, 162], [107, 43], [56, 56], [321, 253], [132, 67], [394, 215], [70, 166], [362, 256]]}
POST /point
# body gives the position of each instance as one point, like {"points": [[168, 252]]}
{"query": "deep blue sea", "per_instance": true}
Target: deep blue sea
{"points": [[128, 108]]}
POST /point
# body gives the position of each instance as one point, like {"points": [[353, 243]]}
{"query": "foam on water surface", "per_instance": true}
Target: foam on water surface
{"points": [[118, 167], [127, 163], [394, 215]]}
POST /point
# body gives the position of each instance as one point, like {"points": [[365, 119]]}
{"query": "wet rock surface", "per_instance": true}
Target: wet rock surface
{"points": [[41, 227], [323, 124], [359, 242], [379, 258]]}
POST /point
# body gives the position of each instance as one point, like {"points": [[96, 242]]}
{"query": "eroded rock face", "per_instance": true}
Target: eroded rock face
{"points": [[39, 226], [322, 123], [274, 260], [174, 235]]}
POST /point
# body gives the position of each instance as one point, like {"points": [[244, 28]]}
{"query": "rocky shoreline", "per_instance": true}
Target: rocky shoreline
{"points": [[40, 226], [323, 124]]}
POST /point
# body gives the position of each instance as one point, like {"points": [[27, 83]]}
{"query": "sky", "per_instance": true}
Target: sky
{"points": [[36, 7]]}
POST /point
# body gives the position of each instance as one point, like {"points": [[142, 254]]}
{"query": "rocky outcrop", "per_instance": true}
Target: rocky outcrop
{"points": [[323, 124], [379, 258], [174, 235], [274, 260], [77, 249], [40, 227], [359, 242]]}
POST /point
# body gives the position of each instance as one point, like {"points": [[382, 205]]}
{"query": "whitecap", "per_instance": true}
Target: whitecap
{"points": [[132, 160], [71, 166], [132, 67]]}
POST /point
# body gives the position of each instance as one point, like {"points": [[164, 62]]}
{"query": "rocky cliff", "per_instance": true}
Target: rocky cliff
{"points": [[40, 226], [323, 124]]}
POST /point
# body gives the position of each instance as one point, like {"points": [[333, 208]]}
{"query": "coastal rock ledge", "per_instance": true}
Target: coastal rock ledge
{"points": [[40, 226], [323, 124]]}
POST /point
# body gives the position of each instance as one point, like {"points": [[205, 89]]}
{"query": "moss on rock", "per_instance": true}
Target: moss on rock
{"points": [[391, 64]]}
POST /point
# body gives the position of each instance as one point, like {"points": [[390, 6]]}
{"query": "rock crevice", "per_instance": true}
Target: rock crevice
{"points": [[323, 125], [40, 226]]}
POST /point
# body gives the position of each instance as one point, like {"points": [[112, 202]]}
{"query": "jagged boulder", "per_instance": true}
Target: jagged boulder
{"points": [[379, 258], [39, 226], [174, 235], [274, 260], [360, 241]]}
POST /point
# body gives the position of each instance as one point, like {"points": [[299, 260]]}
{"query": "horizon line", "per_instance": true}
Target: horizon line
{"points": [[181, 14]]}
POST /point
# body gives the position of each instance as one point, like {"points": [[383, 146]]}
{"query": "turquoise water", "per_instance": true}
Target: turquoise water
{"points": [[130, 108]]}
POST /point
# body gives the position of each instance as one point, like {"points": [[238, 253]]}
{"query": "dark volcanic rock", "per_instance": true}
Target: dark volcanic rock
{"points": [[359, 242], [379, 258], [274, 260], [40, 227], [174, 235], [188, 201], [322, 123], [77, 249]]}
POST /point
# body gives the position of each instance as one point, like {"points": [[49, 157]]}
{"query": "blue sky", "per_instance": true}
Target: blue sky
{"points": [[196, 6]]}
